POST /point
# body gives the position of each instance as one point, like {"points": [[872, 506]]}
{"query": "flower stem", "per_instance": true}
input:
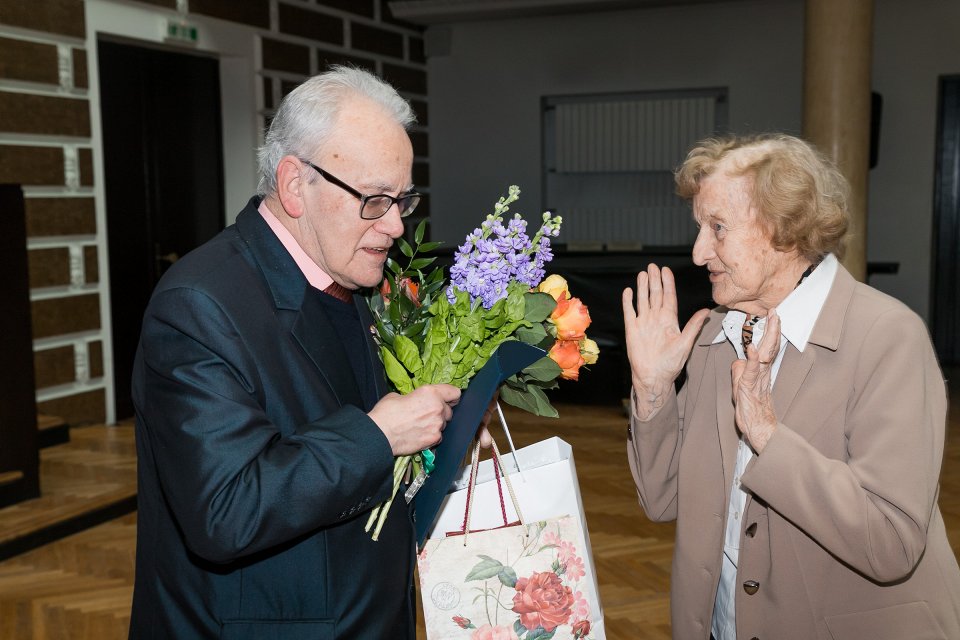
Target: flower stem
{"points": [[380, 512]]}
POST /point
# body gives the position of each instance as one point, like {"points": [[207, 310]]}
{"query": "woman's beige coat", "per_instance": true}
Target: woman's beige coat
{"points": [[842, 533]]}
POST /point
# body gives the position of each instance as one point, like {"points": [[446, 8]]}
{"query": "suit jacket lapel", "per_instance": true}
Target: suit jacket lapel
{"points": [[298, 305]]}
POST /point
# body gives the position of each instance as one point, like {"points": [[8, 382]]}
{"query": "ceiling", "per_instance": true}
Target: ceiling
{"points": [[432, 12]]}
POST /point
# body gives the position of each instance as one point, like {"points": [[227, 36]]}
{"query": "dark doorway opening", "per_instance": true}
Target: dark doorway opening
{"points": [[945, 312], [163, 165]]}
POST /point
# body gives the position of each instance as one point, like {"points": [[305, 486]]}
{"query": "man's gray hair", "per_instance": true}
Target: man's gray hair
{"points": [[307, 115]]}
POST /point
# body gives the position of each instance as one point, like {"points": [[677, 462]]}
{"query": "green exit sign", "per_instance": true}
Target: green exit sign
{"points": [[181, 31]]}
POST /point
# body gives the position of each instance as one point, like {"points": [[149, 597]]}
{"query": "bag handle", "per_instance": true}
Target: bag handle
{"points": [[497, 472]]}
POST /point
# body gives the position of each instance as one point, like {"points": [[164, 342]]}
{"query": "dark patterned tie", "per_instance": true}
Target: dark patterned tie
{"points": [[746, 333], [339, 292]]}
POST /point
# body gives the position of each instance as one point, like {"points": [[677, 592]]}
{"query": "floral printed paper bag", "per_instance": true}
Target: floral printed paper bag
{"points": [[521, 582]]}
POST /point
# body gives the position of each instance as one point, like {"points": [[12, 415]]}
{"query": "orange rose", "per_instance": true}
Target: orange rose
{"points": [[407, 286], [566, 353], [411, 289], [571, 318]]}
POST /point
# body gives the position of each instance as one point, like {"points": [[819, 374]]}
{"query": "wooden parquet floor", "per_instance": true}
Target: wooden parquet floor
{"points": [[80, 588], [96, 470]]}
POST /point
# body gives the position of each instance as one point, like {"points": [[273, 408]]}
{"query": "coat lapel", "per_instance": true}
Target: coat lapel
{"points": [[298, 305], [723, 355], [797, 367], [793, 371]]}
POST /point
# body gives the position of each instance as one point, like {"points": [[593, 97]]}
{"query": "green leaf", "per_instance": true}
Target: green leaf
{"points": [[539, 306], [468, 363], [384, 330], [393, 266], [552, 384], [499, 308], [488, 347], [396, 319], [375, 302], [544, 408], [516, 304], [508, 577], [429, 246], [520, 399], [405, 247], [547, 343], [435, 276], [544, 369], [540, 634], [405, 304], [407, 353], [531, 399], [420, 263], [414, 329], [485, 569], [471, 327], [418, 234], [395, 371], [515, 383], [444, 372], [391, 284], [532, 335], [495, 322]]}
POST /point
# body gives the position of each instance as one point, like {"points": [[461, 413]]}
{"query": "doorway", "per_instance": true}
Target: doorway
{"points": [[163, 166], [945, 313]]}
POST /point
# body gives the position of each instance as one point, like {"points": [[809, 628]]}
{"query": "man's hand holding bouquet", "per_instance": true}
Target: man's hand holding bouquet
{"points": [[433, 331]]}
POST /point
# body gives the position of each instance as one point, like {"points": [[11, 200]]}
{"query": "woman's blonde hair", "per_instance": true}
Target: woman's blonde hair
{"points": [[800, 196]]}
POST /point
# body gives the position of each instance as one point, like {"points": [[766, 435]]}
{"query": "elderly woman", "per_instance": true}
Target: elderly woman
{"points": [[801, 456]]}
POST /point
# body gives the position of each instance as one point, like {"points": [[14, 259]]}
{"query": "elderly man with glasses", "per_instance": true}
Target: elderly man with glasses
{"points": [[265, 432]]}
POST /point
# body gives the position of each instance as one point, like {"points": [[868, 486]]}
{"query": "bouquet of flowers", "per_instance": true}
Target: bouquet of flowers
{"points": [[432, 331]]}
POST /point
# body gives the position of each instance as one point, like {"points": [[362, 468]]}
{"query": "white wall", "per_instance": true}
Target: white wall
{"points": [[485, 101]]}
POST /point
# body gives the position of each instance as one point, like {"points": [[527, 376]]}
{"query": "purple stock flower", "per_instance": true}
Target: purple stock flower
{"points": [[496, 254]]}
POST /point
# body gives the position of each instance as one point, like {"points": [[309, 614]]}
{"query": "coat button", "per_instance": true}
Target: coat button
{"points": [[751, 587], [752, 530]]}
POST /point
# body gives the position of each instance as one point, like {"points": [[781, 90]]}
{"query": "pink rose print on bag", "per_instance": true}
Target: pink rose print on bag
{"points": [[542, 600]]}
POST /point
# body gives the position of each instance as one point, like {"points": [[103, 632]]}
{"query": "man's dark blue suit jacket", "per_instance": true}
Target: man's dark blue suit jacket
{"points": [[257, 462]]}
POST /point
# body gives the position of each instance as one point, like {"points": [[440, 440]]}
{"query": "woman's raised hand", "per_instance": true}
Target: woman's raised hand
{"points": [[656, 346]]}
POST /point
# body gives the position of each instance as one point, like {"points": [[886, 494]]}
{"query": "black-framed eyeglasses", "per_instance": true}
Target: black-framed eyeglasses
{"points": [[376, 205]]}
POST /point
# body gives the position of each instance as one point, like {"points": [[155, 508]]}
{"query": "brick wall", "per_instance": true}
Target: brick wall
{"points": [[46, 145], [306, 37]]}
